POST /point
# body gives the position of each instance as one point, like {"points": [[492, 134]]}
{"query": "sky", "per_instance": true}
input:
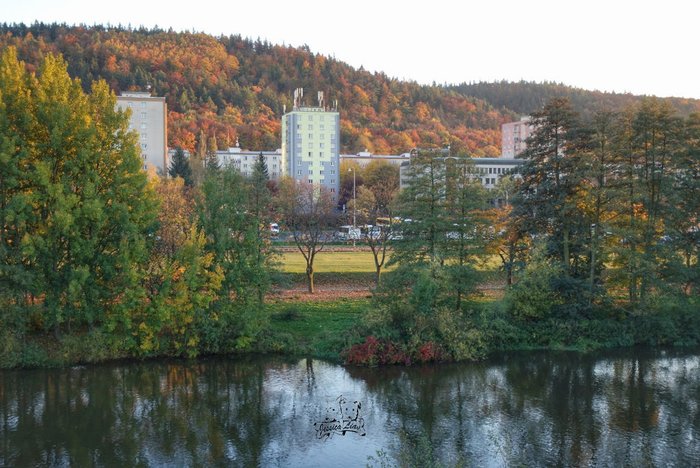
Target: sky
{"points": [[642, 47]]}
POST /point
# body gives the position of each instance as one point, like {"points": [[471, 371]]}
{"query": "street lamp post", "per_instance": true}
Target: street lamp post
{"points": [[354, 202]]}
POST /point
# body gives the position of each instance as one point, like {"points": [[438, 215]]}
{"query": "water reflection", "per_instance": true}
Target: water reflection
{"points": [[630, 408]]}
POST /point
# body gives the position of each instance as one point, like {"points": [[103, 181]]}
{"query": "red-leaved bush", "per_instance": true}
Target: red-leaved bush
{"points": [[380, 352]]}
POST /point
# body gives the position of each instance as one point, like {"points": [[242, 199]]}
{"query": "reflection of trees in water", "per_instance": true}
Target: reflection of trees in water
{"points": [[443, 404], [548, 408], [155, 413], [530, 408]]}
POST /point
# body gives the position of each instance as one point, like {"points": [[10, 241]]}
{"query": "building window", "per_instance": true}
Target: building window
{"points": [[143, 115], [311, 172], [333, 172], [143, 125], [309, 153], [332, 190], [332, 163], [332, 181], [320, 172], [311, 181], [299, 172], [143, 104], [320, 145]]}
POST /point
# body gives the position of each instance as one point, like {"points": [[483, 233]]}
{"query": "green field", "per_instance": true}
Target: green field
{"points": [[329, 262], [354, 262]]}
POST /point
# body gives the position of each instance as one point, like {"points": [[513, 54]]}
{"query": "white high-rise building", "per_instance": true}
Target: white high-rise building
{"points": [[149, 119], [311, 144]]}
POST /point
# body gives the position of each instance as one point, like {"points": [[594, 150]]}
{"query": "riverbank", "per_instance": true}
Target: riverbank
{"points": [[329, 329]]}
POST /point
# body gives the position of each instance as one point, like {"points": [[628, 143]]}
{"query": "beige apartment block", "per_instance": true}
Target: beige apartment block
{"points": [[148, 119]]}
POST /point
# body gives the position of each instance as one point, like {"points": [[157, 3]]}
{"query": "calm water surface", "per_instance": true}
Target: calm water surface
{"points": [[622, 408]]}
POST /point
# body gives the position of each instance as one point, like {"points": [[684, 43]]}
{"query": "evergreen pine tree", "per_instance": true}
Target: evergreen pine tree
{"points": [[260, 171], [180, 167]]}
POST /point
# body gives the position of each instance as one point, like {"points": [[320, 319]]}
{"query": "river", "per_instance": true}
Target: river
{"points": [[634, 407]]}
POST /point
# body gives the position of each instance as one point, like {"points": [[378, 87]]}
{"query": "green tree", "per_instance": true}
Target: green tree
{"points": [[17, 214], [181, 280], [88, 206], [260, 170], [648, 142], [233, 236], [550, 176], [180, 167]]}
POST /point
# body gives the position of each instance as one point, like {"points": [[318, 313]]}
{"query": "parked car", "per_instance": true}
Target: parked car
{"points": [[348, 233], [274, 229]]}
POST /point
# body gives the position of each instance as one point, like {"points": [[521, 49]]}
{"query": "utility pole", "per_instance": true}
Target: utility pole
{"points": [[354, 202]]}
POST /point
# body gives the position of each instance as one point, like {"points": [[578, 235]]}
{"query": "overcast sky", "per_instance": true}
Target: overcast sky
{"points": [[643, 47]]}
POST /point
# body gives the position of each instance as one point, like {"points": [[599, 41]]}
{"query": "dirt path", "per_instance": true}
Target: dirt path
{"points": [[329, 290]]}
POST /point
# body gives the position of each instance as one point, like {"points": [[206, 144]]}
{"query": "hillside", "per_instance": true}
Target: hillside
{"points": [[231, 87], [526, 97]]}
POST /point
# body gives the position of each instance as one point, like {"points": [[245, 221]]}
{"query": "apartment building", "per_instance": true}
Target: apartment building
{"points": [[149, 120], [311, 144], [513, 137]]}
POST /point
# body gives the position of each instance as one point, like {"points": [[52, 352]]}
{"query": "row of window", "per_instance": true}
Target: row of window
{"points": [[311, 172], [311, 181]]}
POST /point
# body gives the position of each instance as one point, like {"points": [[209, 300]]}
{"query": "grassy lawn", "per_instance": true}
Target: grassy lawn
{"points": [[329, 262], [320, 329]]}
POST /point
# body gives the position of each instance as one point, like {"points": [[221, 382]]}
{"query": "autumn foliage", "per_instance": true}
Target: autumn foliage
{"points": [[231, 87]]}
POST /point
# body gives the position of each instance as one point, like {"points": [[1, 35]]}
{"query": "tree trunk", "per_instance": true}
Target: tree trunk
{"points": [[310, 278]]}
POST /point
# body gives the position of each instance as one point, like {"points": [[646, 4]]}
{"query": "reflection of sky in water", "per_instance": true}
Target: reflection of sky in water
{"points": [[620, 408], [307, 392]]}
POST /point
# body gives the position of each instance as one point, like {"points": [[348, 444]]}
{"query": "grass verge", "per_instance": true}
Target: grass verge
{"points": [[318, 329]]}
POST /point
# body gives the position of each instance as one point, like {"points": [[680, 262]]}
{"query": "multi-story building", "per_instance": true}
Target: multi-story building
{"points": [[149, 120], [488, 170], [311, 144], [245, 160], [363, 158], [514, 136]]}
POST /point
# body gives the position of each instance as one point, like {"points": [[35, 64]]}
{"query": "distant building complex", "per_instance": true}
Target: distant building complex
{"points": [[149, 120], [311, 142]]}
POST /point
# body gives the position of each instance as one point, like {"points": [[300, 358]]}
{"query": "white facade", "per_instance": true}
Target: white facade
{"points": [[488, 170], [149, 120], [363, 158], [245, 161]]}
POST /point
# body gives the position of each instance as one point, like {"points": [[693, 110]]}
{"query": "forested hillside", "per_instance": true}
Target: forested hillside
{"points": [[231, 87], [527, 97]]}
